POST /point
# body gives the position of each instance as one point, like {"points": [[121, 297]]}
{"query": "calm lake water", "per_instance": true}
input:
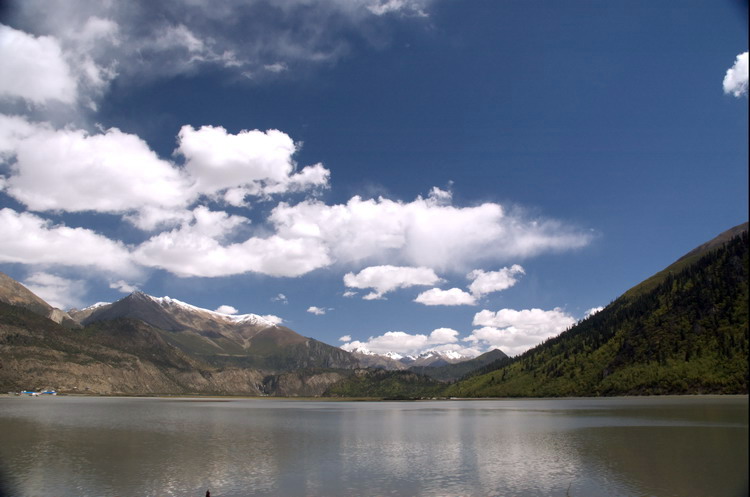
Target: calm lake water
{"points": [[674, 446]]}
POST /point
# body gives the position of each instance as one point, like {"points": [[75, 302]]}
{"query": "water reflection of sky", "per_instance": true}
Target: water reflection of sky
{"points": [[88, 446]]}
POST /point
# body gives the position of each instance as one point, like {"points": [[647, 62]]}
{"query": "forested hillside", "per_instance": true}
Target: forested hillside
{"points": [[687, 333]]}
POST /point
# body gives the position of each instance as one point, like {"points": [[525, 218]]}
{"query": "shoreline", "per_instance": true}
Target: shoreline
{"points": [[228, 398]]}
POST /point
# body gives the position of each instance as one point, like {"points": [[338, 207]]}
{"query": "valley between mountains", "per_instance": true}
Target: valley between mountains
{"points": [[683, 331]]}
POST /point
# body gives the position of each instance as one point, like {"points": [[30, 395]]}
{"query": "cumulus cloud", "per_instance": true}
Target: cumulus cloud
{"points": [[484, 282], [114, 172], [318, 311], [226, 309], [247, 163], [29, 239], [196, 249], [345, 338], [57, 291], [515, 331], [71, 170], [404, 343], [384, 279], [74, 171], [735, 80], [34, 68], [428, 232], [454, 296]]}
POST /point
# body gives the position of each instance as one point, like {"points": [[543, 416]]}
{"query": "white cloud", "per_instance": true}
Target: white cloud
{"points": [[247, 163], [226, 309], [74, 171], [404, 343], [735, 80], [318, 311], [191, 251], [592, 311], [454, 296], [114, 172], [384, 279], [29, 239], [123, 286], [349, 294], [515, 331], [59, 292], [34, 68], [345, 338], [426, 232], [485, 282]]}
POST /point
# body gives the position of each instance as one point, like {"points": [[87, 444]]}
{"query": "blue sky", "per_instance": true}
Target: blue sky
{"points": [[406, 174]]}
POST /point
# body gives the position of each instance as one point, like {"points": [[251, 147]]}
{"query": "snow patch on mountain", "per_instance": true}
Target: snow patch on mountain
{"points": [[255, 319]]}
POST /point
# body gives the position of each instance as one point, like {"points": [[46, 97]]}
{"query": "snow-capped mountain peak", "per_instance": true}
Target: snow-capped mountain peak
{"points": [[167, 302]]}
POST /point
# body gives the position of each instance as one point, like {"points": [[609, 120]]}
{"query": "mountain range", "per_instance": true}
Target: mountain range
{"points": [[143, 344]]}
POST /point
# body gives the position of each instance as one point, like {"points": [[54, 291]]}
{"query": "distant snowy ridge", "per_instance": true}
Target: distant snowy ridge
{"points": [[424, 357]]}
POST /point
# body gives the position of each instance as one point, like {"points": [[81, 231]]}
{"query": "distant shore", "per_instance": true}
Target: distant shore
{"points": [[229, 398]]}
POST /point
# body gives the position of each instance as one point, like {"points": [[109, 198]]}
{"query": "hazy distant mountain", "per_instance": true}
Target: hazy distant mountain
{"points": [[456, 370], [394, 361], [682, 331], [369, 359], [246, 340], [14, 293], [434, 358]]}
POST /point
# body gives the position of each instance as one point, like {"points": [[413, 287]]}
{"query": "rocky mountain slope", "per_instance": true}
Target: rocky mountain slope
{"points": [[127, 356], [147, 345], [222, 340], [682, 331]]}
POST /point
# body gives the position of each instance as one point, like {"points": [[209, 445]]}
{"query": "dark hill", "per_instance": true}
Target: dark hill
{"points": [[683, 331]]}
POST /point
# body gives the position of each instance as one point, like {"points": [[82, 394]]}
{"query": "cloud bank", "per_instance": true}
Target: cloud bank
{"points": [[384, 279], [515, 331], [403, 344]]}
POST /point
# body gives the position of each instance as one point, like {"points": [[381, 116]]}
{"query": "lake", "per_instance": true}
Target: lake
{"points": [[654, 446]]}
